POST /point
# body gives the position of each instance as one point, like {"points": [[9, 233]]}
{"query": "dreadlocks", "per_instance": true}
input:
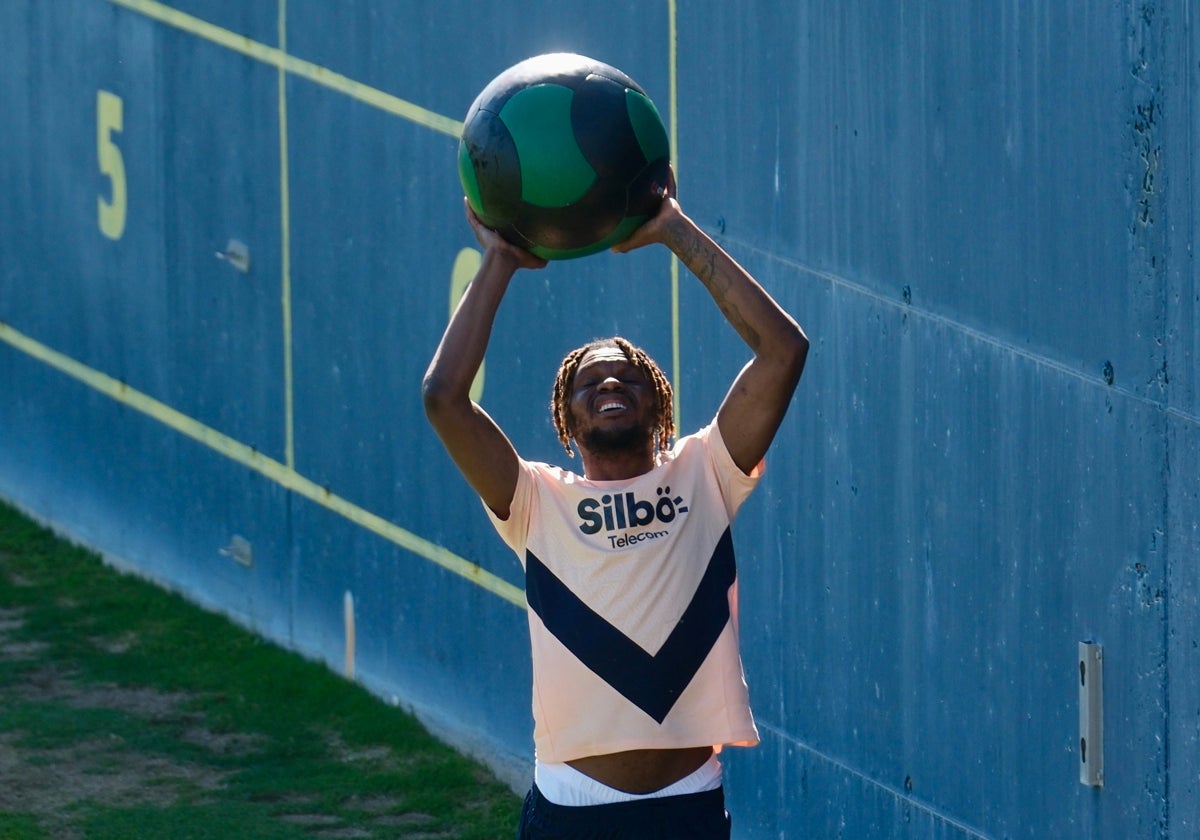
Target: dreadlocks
{"points": [[560, 402]]}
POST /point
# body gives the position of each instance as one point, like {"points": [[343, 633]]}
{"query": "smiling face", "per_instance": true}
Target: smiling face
{"points": [[612, 398], [612, 407]]}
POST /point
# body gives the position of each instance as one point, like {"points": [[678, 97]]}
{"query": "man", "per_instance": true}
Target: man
{"points": [[629, 567]]}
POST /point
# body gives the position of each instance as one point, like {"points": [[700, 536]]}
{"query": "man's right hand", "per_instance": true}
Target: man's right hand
{"points": [[490, 240]]}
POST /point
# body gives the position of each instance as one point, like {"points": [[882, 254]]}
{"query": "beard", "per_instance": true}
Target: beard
{"points": [[612, 441]]}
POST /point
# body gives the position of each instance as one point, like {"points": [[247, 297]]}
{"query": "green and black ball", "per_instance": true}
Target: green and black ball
{"points": [[563, 155]]}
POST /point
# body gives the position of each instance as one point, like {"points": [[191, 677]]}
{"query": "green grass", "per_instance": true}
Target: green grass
{"points": [[128, 712]]}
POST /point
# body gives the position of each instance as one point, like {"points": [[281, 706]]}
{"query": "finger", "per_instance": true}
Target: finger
{"points": [[472, 216]]}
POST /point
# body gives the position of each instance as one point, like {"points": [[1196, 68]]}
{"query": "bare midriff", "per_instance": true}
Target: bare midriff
{"points": [[642, 771]]}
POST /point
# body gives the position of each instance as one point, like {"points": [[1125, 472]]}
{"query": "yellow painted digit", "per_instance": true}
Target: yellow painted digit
{"points": [[110, 120], [466, 264]]}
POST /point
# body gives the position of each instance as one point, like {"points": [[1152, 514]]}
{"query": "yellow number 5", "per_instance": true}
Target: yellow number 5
{"points": [[109, 121]]}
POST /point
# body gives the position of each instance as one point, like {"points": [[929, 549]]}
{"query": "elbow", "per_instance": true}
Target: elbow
{"points": [[796, 353], [434, 396], [799, 345], [445, 396]]}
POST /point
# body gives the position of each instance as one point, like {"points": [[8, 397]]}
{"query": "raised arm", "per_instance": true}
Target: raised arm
{"points": [[480, 449], [756, 403]]}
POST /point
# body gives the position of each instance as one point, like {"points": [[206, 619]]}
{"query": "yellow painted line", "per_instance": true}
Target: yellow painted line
{"points": [[255, 460], [673, 110], [283, 474], [285, 235], [298, 67], [372, 96], [203, 29]]}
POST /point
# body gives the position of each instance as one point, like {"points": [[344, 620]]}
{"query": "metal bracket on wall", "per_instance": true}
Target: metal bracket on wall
{"points": [[1091, 714], [237, 255], [240, 550]]}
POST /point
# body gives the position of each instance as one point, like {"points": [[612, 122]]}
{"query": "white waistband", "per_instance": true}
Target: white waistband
{"points": [[562, 784]]}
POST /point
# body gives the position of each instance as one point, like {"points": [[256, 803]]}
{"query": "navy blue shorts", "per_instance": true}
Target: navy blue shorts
{"points": [[689, 816]]}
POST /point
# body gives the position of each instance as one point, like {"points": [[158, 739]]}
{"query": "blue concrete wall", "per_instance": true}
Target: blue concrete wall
{"points": [[983, 214]]}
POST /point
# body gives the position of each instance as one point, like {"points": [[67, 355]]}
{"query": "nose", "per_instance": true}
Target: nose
{"points": [[609, 383]]}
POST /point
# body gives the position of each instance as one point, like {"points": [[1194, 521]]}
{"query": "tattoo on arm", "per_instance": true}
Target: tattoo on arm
{"points": [[703, 261]]}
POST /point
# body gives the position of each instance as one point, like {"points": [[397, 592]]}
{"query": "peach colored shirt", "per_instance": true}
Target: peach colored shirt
{"points": [[633, 603]]}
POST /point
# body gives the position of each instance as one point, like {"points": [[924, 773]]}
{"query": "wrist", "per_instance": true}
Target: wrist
{"points": [[684, 237], [502, 256]]}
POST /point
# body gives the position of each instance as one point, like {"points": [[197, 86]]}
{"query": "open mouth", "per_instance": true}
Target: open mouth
{"points": [[607, 406]]}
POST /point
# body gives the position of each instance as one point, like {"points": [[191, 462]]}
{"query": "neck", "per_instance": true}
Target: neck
{"points": [[616, 466]]}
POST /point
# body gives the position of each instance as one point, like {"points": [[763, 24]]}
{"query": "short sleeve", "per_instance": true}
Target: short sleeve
{"points": [[735, 485], [515, 529]]}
